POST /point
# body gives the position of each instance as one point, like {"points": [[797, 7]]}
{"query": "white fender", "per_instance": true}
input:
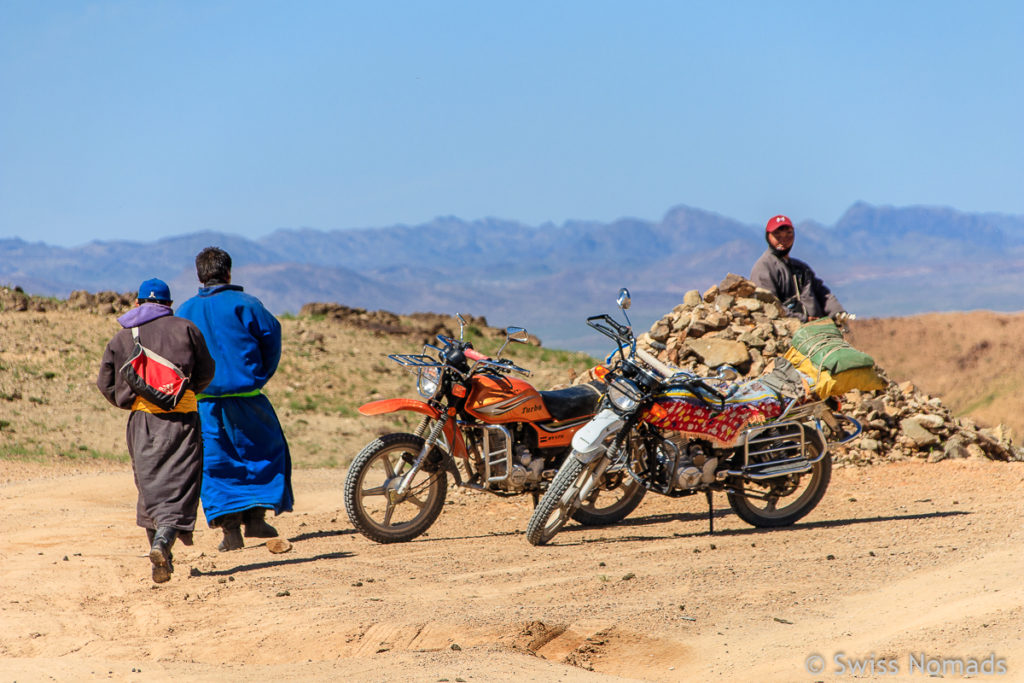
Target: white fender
{"points": [[588, 442]]}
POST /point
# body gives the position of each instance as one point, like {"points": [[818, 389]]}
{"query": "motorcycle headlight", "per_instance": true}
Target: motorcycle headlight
{"points": [[428, 381], [623, 394]]}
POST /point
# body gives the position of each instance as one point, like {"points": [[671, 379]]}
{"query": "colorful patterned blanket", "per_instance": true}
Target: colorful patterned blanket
{"points": [[680, 409]]}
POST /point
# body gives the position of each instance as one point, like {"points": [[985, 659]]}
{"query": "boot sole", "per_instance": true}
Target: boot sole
{"points": [[161, 566]]}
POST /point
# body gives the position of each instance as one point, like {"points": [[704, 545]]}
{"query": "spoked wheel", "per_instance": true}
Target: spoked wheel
{"points": [[784, 500], [611, 501], [372, 501], [559, 502]]}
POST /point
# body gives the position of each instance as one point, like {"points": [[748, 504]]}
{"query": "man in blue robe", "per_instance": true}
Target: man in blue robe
{"points": [[246, 465]]}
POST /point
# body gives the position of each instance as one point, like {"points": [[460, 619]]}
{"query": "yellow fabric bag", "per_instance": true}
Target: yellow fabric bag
{"points": [[825, 384]]}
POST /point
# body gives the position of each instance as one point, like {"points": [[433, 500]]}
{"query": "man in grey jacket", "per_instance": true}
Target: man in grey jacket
{"points": [[802, 292]]}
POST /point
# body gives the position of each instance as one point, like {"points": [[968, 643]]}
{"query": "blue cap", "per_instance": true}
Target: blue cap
{"points": [[154, 289]]}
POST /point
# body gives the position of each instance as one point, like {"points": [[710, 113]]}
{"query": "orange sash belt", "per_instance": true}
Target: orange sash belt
{"points": [[186, 405]]}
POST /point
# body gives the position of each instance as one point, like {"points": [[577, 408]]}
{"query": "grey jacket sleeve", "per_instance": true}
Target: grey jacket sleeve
{"points": [[824, 294]]}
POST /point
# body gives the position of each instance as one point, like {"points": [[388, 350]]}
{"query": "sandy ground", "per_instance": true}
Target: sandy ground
{"points": [[902, 565]]}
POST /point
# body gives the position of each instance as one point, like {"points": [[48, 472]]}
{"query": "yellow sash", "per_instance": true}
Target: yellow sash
{"points": [[186, 405]]}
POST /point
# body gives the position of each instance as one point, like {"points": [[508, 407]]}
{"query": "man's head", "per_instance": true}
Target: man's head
{"points": [[154, 291], [779, 234], [213, 264]]}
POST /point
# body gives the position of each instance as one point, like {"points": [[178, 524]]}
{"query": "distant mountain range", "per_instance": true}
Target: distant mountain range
{"points": [[880, 261]]}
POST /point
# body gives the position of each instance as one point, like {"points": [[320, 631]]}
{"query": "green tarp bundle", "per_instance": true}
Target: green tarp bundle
{"points": [[823, 343]]}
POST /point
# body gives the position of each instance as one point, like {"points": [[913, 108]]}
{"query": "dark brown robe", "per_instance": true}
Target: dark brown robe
{"points": [[166, 449]]}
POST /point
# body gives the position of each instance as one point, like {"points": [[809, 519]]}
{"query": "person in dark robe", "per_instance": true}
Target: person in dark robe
{"points": [[247, 465], [165, 446]]}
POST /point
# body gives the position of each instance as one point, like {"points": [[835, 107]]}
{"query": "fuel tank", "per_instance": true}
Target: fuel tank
{"points": [[498, 400]]}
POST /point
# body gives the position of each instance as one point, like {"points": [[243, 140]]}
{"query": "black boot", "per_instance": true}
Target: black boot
{"points": [[160, 553], [231, 526], [255, 524]]}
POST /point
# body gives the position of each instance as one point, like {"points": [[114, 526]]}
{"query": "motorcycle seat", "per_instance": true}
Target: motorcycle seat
{"points": [[574, 401]]}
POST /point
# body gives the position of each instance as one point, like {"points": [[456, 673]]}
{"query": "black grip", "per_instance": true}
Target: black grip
{"points": [[607, 326]]}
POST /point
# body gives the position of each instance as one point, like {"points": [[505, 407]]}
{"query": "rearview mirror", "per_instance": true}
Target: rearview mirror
{"points": [[727, 373], [624, 301], [517, 334]]}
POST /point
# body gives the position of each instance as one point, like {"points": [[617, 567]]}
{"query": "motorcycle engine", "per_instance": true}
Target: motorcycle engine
{"points": [[526, 470], [693, 465]]}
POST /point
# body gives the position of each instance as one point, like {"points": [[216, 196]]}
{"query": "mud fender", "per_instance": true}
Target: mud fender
{"points": [[452, 440], [588, 442], [394, 405]]}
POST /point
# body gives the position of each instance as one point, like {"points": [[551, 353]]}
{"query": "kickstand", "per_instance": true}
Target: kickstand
{"points": [[711, 513]]}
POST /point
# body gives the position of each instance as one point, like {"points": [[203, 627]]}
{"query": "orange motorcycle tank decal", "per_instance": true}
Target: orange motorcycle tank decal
{"points": [[393, 405], [553, 434], [497, 400]]}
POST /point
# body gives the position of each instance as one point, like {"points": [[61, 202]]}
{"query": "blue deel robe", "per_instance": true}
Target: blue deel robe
{"points": [[246, 462]]}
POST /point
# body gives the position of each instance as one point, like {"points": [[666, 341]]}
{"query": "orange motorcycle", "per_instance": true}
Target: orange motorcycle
{"points": [[487, 429]]}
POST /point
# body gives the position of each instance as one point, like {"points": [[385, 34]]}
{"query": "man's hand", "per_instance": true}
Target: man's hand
{"points": [[842, 317]]}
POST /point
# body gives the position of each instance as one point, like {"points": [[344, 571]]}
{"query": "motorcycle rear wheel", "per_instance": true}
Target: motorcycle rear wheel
{"points": [[559, 502], [373, 508], [801, 494]]}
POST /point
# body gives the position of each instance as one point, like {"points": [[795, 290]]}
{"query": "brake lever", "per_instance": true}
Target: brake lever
{"points": [[505, 365]]}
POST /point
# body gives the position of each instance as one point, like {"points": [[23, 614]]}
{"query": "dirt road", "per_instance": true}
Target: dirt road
{"points": [[902, 565]]}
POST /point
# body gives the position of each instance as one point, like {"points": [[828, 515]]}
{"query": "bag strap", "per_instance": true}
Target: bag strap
{"points": [[135, 334]]}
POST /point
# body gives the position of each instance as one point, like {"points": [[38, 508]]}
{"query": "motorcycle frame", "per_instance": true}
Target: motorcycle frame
{"points": [[491, 459], [454, 444]]}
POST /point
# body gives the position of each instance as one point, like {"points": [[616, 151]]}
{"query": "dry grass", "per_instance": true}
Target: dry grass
{"points": [[50, 408], [51, 411]]}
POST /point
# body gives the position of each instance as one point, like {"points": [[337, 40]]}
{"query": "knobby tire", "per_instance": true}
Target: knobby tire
{"points": [[539, 531], [433, 484]]}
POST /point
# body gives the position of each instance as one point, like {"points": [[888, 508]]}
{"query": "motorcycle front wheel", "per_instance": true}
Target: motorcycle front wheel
{"points": [[559, 502], [611, 501], [371, 498], [785, 499]]}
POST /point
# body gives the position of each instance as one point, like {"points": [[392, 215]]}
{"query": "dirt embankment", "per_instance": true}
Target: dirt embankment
{"points": [[971, 360]]}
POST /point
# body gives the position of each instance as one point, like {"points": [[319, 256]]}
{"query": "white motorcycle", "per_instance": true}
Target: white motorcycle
{"points": [[760, 442]]}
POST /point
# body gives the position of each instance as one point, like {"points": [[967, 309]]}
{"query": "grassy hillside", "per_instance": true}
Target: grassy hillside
{"points": [[50, 408]]}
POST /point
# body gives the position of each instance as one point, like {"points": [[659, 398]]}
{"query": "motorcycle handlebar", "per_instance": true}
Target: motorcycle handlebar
{"points": [[661, 368], [474, 355], [667, 370], [504, 365]]}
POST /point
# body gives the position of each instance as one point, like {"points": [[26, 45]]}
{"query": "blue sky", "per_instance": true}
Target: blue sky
{"points": [[137, 120]]}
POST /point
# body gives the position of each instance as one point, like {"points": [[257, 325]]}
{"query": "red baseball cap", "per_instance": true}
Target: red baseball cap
{"points": [[776, 222]]}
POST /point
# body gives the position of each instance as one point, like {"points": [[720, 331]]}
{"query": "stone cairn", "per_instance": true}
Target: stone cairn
{"points": [[740, 324]]}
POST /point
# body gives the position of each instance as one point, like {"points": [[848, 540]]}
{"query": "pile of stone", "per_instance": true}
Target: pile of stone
{"points": [[902, 423], [14, 298], [742, 325], [421, 326]]}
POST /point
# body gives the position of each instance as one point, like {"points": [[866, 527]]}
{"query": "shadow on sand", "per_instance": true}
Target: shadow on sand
{"points": [[745, 531]]}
